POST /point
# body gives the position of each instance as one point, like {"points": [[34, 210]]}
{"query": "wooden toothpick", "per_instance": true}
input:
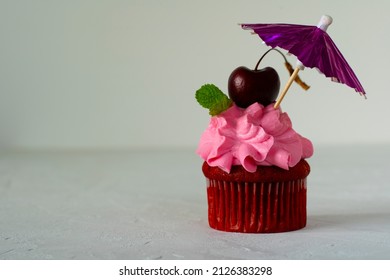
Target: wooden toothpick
{"points": [[287, 86]]}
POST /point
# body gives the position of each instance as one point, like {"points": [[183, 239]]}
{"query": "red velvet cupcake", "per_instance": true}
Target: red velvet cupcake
{"points": [[254, 165], [269, 200]]}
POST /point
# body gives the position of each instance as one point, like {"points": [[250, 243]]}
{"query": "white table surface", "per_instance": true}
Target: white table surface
{"points": [[152, 205]]}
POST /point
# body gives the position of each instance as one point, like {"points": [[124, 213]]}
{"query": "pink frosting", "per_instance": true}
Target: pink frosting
{"points": [[253, 136]]}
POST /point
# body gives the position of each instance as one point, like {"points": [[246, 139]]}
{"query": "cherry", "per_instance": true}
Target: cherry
{"points": [[246, 86]]}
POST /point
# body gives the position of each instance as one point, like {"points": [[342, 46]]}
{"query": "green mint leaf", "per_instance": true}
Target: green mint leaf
{"points": [[211, 97]]}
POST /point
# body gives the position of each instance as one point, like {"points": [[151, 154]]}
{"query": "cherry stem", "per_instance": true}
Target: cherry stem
{"points": [[273, 49]]}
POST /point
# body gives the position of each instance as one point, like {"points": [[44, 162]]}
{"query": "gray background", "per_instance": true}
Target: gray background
{"points": [[122, 74]]}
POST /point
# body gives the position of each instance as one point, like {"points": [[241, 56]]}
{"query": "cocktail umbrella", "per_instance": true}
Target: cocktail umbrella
{"points": [[312, 46]]}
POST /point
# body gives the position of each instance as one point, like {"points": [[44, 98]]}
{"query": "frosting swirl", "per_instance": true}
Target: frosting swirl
{"points": [[253, 136]]}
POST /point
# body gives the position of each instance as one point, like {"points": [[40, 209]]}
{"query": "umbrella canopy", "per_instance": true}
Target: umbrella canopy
{"points": [[312, 46]]}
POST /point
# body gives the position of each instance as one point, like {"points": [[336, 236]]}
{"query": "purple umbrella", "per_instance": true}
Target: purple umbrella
{"points": [[312, 46]]}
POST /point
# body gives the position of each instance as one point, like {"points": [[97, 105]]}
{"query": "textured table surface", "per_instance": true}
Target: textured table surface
{"points": [[152, 205]]}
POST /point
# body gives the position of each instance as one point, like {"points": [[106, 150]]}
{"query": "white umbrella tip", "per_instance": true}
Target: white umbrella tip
{"points": [[325, 21]]}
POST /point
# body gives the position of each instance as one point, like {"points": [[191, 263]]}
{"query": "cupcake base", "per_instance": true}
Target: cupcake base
{"points": [[256, 205]]}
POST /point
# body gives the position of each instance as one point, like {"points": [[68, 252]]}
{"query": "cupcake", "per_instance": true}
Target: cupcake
{"points": [[254, 161]]}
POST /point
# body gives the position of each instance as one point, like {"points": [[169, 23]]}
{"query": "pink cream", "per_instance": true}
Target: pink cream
{"points": [[253, 136]]}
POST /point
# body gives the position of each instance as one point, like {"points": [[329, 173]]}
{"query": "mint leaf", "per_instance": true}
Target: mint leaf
{"points": [[211, 97]]}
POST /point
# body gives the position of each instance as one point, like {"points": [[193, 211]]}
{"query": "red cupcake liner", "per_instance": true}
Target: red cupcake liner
{"points": [[258, 207]]}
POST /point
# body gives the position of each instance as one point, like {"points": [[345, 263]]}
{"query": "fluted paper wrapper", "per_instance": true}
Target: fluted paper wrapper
{"points": [[256, 207]]}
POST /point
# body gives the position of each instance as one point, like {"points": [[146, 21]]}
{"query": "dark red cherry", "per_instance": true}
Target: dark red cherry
{"points": [[248, 86]]}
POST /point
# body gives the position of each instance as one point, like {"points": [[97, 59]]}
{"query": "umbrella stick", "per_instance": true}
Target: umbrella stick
{"points": [[287, 86]]}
